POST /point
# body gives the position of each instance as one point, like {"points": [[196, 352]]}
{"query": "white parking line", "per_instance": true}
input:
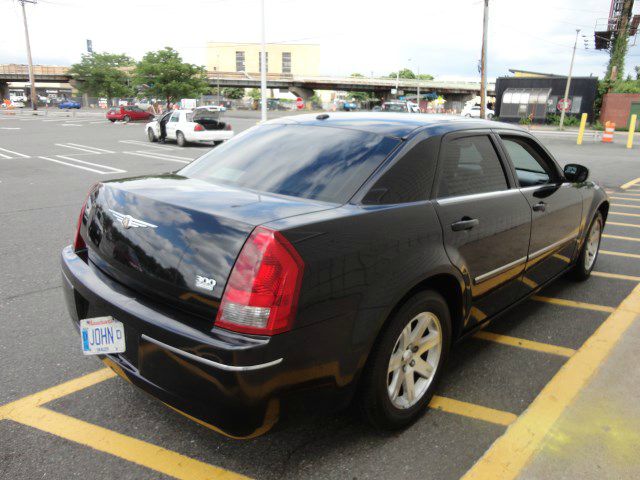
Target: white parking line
{"points": [[165, 155], [115, 170], [15, 153], [68, 145], [75, 166], [155, 157], [2, 155], [92, 148], [70, 125], [149, 144]]}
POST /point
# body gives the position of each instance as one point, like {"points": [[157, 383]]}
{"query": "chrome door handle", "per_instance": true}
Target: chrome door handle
{"points": [[465, 224], [539, 207]]}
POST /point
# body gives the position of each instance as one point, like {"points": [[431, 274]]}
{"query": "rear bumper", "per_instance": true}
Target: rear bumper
{"points": [[209, 136], [238, 385]]}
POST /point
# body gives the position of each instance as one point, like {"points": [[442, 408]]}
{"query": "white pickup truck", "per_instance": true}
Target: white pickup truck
{"points": [[200, 125]]}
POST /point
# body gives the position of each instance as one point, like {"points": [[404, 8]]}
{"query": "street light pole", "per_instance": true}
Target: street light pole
{"points": [[483, 62], [218, 77], [32, 80], [418, 90], [566, 90], [263, 69]]}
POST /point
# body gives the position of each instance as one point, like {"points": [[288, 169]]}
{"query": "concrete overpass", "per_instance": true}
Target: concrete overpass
{"points": [[302, 86]]}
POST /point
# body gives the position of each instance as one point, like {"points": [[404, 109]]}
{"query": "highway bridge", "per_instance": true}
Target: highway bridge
{"points": [[300, 85]]}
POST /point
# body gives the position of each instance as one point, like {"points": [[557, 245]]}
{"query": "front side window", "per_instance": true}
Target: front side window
{"points": [[319, 163], [531, 169], [175, 117], [470, 165]]}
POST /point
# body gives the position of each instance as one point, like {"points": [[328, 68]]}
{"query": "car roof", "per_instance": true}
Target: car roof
{"points": [[388, 123]]}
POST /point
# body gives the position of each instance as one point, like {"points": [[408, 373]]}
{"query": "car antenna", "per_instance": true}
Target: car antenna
{"points": [[322, 116]]}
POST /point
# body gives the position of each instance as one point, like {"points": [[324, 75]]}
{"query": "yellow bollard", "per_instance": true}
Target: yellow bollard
{"points": [[583, 124], [632, 130]]}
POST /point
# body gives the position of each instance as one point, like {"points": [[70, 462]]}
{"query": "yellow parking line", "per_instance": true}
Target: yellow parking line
{"points": [[508, 455], [618, 237], [629, 193], [131, 449], [625, 214], [526, 344], [618, 224], [59, 391], [472, 410], [626, 198], [619, 254], [571, 303], [529, 283], [618, 276], [624, 205], [630, 184]]}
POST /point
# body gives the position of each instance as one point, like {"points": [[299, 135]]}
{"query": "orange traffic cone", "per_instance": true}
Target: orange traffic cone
{"points": [[609, 128]]}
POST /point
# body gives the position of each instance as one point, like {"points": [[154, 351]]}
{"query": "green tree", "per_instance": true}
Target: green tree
{"points": [[404, 73], [255, 94], [103, 75], [619, 46], [229, 92], [166, 76]]}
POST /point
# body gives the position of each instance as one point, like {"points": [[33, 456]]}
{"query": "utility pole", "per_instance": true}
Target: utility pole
{"points": [[263, 70], [397, 81], [218, 77], [483, 62], [418, 90], [32, 80], [566, 89]]}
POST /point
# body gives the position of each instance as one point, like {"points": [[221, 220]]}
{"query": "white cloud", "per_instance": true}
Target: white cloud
{"points": [[441, 38]]}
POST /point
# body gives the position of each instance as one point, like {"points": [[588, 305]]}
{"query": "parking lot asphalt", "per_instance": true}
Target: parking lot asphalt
{"points": [[63, 415]]}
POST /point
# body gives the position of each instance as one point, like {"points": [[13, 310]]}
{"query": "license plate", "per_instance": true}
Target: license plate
{"points": [[102, 335]]}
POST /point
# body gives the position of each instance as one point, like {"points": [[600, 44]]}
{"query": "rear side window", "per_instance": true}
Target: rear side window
{"points": [[470, 165], [410, 179], [319, 163]]}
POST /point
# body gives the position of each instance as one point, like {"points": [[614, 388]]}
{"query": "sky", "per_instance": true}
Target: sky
{"points": [[442, 38]]}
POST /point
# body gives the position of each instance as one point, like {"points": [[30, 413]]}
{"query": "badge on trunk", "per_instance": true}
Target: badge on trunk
{"points": [[205, 283], [128, 221]]}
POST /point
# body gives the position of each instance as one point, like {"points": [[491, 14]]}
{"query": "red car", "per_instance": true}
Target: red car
{"points": [[127, 113]]}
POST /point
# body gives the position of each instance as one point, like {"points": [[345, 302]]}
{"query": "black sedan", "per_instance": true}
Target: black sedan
{"points": [[312, 260]]}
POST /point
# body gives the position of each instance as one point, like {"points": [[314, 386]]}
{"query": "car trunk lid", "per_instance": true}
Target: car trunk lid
{"points": [[176, 239]]}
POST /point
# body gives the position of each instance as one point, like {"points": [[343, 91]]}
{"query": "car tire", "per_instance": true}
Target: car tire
{"points": [[151, 136], [112, 120], [590, 248], [180, 140], [468, 115], [490, 116], [385, 398], [126, 119]]}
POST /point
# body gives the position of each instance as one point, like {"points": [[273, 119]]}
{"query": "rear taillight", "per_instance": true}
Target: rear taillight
{"points": [[228, 126], [198, 128], [78, 241], [261, 296]]}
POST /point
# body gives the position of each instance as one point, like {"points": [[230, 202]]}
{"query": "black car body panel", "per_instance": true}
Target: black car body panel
{"points": [[484, 252]]}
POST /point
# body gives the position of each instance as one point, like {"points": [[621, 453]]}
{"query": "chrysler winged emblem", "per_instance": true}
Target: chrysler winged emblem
{"points": [[128, 221]]}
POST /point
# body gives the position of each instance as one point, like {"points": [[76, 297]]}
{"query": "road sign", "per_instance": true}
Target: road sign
{"points": [[299, 103], [564, 104]]}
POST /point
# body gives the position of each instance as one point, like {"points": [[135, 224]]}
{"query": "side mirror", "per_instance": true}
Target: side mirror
{"points": [[575, 173]]}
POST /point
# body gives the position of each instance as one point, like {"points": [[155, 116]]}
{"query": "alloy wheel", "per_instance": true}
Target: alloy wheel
{"points": [[593, 244], [414, 360]]}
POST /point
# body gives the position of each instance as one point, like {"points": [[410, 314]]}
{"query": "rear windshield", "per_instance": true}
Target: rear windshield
{"points": [[319, 163]]}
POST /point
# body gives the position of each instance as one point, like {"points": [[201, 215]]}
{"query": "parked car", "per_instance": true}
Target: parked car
{"points": [[349, 106], [127, 113], [69, 104], [315, 257], [395, 106], [473, 111], [201, 125]]}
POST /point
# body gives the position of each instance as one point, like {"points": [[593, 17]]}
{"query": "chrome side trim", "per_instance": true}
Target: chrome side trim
{"points": [[544, 250], [476, 196], [211, 363], [499, 270]]}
